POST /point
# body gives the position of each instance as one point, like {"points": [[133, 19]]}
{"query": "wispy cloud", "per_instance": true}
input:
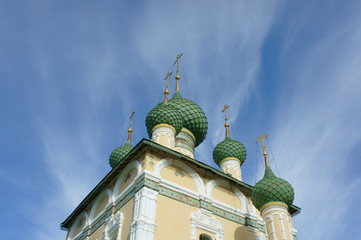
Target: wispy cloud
{"points": [[316, 130]]}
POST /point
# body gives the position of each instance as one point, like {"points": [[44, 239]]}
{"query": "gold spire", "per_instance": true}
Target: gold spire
{"points": [[130, 130], [226, 125], [166, 92], [177, 76], [264, 149]]}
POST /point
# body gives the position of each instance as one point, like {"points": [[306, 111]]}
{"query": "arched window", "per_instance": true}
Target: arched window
{"points": [[204, 237]]}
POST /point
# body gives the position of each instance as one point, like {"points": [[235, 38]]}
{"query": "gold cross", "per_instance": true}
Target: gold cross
{"points": [[177, 61], [225, 111], [261, 137], [131, 119], [167, 78]]}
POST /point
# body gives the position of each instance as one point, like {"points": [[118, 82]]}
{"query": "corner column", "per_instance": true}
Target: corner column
{"points": [[143, 224]]}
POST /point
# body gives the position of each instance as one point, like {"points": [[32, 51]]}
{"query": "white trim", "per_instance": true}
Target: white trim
{"points": [[73, 227], [113, 223], [273, 210], [210, 224], [164, 131], [133, 164], [226, 165], [96, 203], [166, 162], [143, 224], [220, 182]]}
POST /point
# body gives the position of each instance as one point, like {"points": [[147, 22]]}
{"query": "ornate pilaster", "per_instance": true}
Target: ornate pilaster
{"points": [[113, 223], [143, 225], [203, 220]]}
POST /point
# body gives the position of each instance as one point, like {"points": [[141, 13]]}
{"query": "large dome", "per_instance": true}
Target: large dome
{"points": [[164, 113], [119, 153], [194, 119], [272, 189], [229, 148]]}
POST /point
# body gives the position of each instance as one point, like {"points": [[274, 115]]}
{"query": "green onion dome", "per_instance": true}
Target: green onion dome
{"points": [[272, 189], [229, 148], [164, 113], [119, 153], [194, 119]]}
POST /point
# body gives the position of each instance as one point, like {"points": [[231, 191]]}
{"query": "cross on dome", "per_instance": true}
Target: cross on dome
{"points": [[177, 76]]}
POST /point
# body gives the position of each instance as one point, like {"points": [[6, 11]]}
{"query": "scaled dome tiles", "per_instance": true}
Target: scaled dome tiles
{"points": [[272, 189], [164, 113], [194, 119], [229, 148], [119, 153]]}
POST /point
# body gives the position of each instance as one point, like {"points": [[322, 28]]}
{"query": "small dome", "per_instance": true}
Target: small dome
{"points": [[272, 189], [194, 119], [229, 148], [163, 113], [119, 153]]}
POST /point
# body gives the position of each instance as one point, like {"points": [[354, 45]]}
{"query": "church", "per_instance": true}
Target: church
{"points": [[158, 190]]}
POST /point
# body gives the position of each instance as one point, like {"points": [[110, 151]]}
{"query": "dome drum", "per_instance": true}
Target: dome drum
{"points": [[163, 134], [185, 143]]}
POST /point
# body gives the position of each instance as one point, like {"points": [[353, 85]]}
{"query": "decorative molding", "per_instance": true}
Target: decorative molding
{"points": [[164, 130], [227, 164], [96, 203], [155, 184], [113, 223], [76, 223], [133, 164], [143, 225], [165, 162], [210, 224], [220, 182], [261, 237]]}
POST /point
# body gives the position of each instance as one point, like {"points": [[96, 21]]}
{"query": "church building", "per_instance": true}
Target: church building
{"points": [[158, 190]]}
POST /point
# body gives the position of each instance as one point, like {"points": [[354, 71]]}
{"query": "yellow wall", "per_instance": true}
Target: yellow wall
{"points": [[172, 219], [101, 206], [173, 222], [227, 196], [126, 182], [127, 211], [97, 235], [179, 176]]}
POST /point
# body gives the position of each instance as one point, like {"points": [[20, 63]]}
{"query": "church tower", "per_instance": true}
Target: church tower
{"points": [[273, 196], [230, 154], [158, 190]]}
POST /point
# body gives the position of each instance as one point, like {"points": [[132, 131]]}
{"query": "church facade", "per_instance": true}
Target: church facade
{"points": [[158, 190]]}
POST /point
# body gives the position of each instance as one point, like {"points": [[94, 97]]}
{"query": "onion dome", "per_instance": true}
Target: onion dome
{"points": [[229, 148], [272, 189], [194, 119], [119, 153], [163, 113]]}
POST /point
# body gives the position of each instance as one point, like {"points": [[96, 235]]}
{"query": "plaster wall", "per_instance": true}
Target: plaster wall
{"points": [[172, 219]]}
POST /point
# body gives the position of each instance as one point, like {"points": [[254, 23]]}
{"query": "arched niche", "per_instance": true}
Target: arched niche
{"points": [[79, 225], [222, 191], [101, 203], [123, 178], [164, 163]]}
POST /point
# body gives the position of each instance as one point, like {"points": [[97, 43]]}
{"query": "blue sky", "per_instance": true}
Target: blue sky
{"points": [[71, 72]]}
